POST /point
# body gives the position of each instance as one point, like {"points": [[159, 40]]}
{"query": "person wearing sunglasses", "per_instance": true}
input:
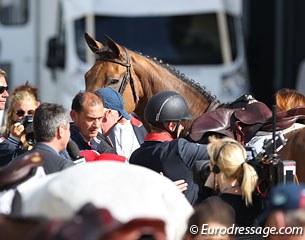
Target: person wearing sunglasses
{"points": [[3, 89], [22, 106], [3, 94]]}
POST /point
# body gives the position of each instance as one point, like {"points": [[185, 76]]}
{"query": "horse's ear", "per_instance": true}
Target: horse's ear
{"points": [[113, 46], [93, 44]]}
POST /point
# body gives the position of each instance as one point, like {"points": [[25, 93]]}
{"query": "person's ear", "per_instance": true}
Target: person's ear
{"points": [[60, 131], [73, 115], [171, 126], [106, 114], [238, 132]]}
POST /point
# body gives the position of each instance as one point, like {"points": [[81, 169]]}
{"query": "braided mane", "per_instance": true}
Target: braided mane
{"points": [[197, 86]]}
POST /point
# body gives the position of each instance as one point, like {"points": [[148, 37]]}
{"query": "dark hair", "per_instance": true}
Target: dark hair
{"points": [[213, 209], [48, 118], [81, 97]]}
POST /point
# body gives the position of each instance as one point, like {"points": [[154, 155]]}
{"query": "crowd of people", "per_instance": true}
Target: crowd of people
{"points": [[102, 130]]}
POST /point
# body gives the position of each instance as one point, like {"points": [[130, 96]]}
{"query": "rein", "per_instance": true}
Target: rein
{"points": [[126, 78], [213, 105]]}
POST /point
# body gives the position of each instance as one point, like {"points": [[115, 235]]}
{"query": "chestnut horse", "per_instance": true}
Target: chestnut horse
{"points": [[138, 78]]}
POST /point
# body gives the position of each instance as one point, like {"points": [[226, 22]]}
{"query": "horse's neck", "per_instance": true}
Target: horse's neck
{"points": [[155, 78]]}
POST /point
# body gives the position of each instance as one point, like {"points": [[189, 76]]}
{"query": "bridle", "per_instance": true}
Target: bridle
{"points": [[127, 77]]}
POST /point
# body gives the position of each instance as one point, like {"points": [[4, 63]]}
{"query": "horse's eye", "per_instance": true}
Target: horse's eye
{"points": [[114, 81]]}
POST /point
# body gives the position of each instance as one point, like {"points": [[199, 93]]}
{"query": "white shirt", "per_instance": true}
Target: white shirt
{"points": [[125, 139]]}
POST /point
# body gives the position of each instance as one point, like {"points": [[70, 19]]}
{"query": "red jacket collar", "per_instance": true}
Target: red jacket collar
{"points": [[134, 121], [161, 137]]}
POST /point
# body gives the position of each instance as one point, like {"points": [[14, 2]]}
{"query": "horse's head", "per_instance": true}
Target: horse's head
{"points": [[112, 68], [139, 77]]}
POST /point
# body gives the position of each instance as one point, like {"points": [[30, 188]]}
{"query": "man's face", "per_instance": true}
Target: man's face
{"points": [[67, 134], [89, 120], [111, 118], [4, 94]]}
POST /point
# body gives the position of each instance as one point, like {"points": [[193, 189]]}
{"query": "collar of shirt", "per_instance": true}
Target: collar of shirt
{"points": [[161, 137]]}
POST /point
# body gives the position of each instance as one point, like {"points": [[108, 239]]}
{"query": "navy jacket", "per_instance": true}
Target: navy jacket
{"points": [[175, 159], [9, 150], [100, 143], [52, 161]]}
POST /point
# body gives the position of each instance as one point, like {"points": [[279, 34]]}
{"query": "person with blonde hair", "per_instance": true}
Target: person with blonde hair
{"points": [[23, 102], [22, 105], [233, 178]]}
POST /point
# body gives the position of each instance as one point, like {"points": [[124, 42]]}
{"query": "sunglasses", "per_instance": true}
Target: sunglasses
{"points": [[21, 113], [2, 89]]}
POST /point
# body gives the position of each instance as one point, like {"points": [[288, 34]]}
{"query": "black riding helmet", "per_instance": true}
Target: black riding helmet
{"points": [[166, 106]]}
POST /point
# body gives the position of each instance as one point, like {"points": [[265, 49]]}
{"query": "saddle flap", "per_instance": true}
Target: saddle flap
{"points": [[286, 119], [217, 121], [255, 113]]}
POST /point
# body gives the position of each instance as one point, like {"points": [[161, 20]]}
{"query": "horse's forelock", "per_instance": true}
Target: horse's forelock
{"points": [[104, 54], [93, 77]]}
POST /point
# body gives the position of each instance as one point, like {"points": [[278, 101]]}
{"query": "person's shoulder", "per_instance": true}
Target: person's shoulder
{"points": [[23, 155], [135, 121], [45, 149], [6, 144], [189, 143], [100, 136]]}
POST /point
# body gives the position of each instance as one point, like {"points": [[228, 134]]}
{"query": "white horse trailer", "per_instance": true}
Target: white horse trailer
{"points": [[42, 41]]}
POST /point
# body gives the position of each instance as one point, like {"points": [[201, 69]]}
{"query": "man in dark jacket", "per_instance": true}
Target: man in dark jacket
{"points": [[7, 149], [52, 133], [162, 150], [87, 113]]}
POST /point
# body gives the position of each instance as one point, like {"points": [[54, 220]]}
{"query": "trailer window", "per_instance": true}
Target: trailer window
{"points": [[186, 39], [14, 12]]}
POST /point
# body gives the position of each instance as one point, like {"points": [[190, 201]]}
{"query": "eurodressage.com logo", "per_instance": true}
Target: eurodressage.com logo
{"points": [[235, 230]]}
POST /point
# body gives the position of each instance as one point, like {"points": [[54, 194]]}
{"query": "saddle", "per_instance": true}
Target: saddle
{"points": [[242, 123], [286, 119], [19, 170]]}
